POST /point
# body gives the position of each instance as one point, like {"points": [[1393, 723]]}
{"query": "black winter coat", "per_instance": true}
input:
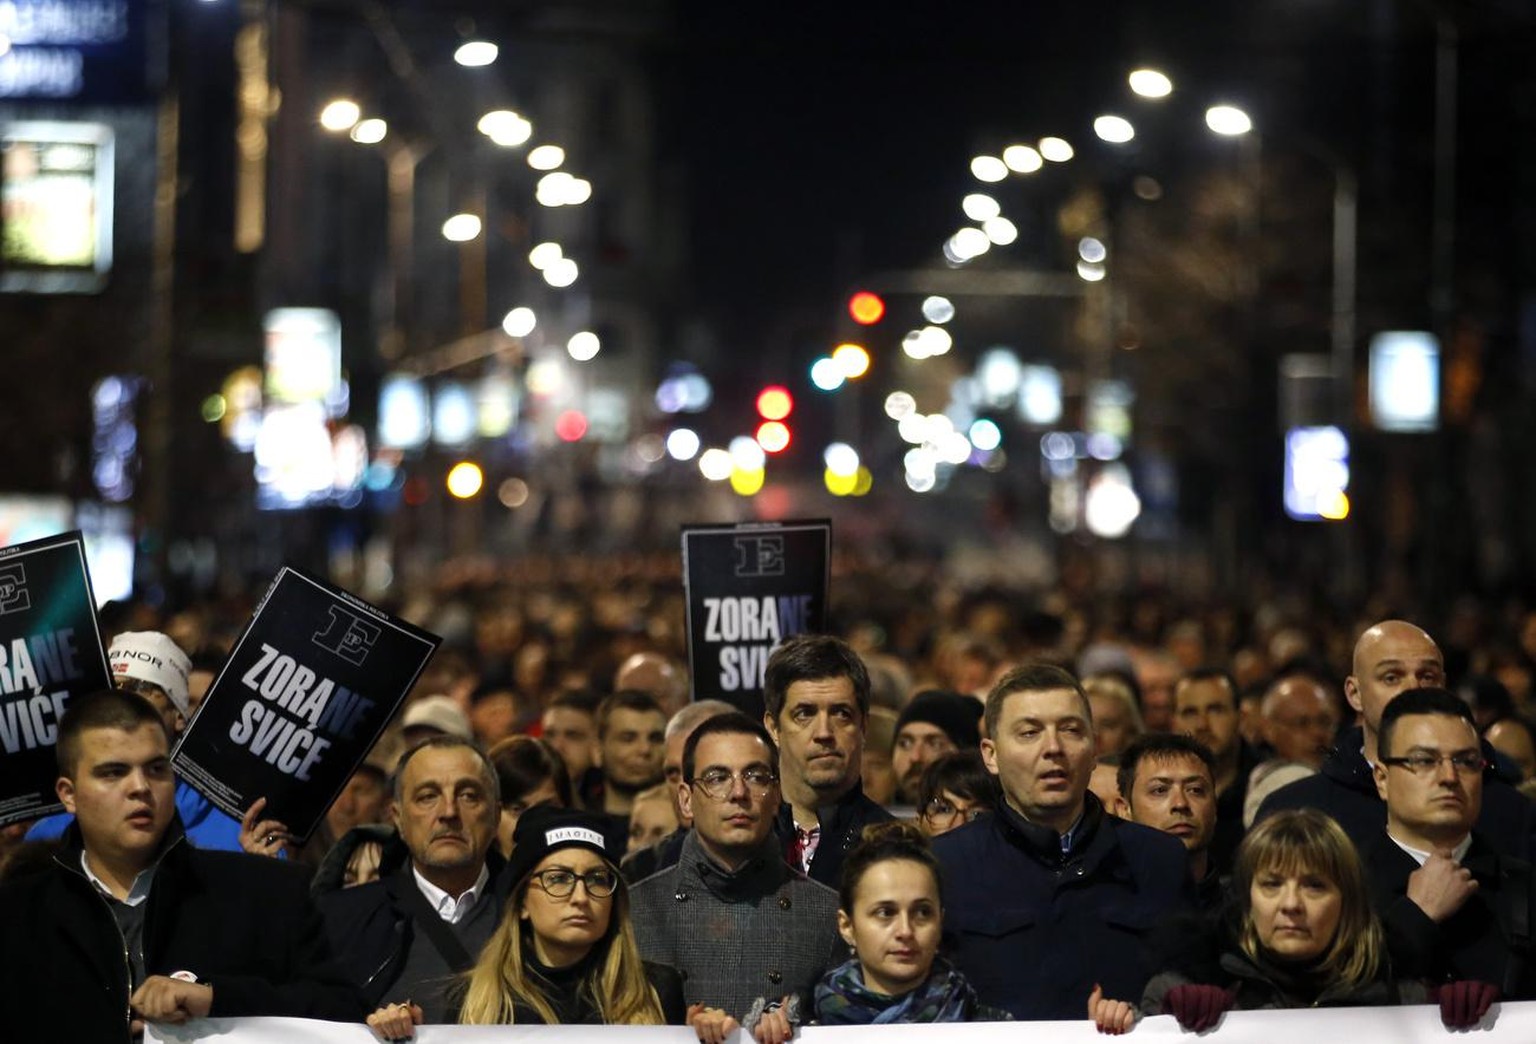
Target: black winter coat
{"points": [[1345, 790], [842, 825], [241, 923]]}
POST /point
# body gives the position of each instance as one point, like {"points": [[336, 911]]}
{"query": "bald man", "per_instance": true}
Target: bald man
{"points": [[653, 673], [1390, 658]]}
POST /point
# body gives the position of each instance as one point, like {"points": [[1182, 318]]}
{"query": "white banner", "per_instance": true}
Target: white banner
{"points": [[1419, 1024]]}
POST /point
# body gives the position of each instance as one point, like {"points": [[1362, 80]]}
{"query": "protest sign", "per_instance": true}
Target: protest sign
{"points": [[50, 650], [305, 693], [749, 587], [1504, 1024]]}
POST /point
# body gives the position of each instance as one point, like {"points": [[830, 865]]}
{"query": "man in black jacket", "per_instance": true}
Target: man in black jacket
{"points": [[405, 936], [130, 923], [1391, 658], [1453, 908], [816, 703]]}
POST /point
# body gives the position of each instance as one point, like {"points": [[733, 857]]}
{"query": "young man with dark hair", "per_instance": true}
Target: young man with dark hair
{"points": [[1205, 707], [746, 931], [816, 704], [1168, 782], [1453, 907], [569, 725], [631, 739], [135, 922], [1049, 895]]}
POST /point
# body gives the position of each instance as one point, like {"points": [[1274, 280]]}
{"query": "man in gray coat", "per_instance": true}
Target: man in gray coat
{"points": [[748, 933]]}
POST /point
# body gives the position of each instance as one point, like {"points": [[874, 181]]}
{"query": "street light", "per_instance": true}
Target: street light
{"points": [[1149, 83], [340, 115], [1228, 120]]}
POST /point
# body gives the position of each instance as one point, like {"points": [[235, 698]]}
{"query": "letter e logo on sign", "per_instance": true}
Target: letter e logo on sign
{"points": [[759, 556], [348, 636], [13, 589]]}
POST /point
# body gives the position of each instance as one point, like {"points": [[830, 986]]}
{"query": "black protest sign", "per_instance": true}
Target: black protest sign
{"points": [[50, 650], [750, 587], [312, 682]]}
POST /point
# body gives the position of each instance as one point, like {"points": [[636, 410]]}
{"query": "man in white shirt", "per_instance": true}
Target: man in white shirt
{"points": [[1454, 908], [404, 937]]}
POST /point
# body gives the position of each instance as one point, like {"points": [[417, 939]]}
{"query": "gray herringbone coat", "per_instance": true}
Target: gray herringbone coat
{"points": [[765, 931]]}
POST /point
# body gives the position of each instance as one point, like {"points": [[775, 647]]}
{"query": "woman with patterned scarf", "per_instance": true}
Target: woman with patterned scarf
{"points": [[891, 918]]}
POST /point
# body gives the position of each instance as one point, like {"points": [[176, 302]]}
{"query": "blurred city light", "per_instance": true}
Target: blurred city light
{"points": [[1316, 474], [774, 403], [1022, 159], [213, 409], [969, 243], [1000, 230], [405, 417], [716, 465], [840, 485], [583, 346], [747, 481], [1405, 381], [747, 454], [684, 392], [1116, 130], [513, 493], [1228, 120], [546, 157], [682, 444], [461, 228], [561, 273], [544, 255], [938, 309], [852, 360], [866, 308], [519, 322], [369, 132], [773, 436], [341, 114], [978, 206], [986, 435], [465, 479], [1090, 273], [900, 404], [571, 426], [1149, 83], [913, 428], [559, 189], [1111, 507], [921, 483], [841, 459], [453, 414], [505, 127], [989, 169], [1091, 250], [826, 374], [1055, 149], [476, 53]]}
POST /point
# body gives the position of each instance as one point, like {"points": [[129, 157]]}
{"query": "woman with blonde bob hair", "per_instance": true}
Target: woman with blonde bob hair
{"points": [[1300, 933], [564, 952]]}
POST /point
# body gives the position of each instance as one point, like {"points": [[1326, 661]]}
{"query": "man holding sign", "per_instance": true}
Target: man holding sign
{"points": [[130, 923]]}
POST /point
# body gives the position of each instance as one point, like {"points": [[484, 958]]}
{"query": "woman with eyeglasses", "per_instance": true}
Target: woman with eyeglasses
{"points": [[1301, 934], [955, 790], [891, 918], [564, 952]]}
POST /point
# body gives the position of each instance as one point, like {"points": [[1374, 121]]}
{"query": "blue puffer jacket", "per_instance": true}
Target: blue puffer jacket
{"points": [[1034, 929]]}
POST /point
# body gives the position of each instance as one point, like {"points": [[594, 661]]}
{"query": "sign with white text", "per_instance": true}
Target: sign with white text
{"points": [[50, 651], [750, 587], [309, 687]]}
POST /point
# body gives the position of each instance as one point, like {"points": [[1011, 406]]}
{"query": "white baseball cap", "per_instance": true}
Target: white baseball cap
{"points": [[149, 656]]}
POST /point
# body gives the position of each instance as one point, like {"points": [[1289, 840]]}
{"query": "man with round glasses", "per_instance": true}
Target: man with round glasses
{"points": [[749, 933], [1454, 908]]}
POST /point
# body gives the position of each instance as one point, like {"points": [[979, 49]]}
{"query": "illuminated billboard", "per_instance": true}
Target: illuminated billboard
{"points": [[55, 207], [1405, 381], [74, 50]]}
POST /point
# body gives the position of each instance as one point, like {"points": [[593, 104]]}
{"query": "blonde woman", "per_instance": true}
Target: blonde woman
{"points": [[564, 952], [1302, 934]]}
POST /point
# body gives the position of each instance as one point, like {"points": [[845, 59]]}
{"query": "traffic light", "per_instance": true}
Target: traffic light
{"points": [[866, 308], [774, 403]]}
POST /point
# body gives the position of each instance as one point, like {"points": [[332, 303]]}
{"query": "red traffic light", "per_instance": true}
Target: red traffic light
{"points": [[866, 308], [774, 403]]}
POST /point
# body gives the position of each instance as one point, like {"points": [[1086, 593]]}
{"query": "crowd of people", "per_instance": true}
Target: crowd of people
{"points": [[1024, 820]]}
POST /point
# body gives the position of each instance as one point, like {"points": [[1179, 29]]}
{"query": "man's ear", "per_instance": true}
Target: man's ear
{"points": [[989, 755], [65, 789], [1352, 694], [394, 815], [685, 800], [1379, 773], [771, 725], [1122, 808]]}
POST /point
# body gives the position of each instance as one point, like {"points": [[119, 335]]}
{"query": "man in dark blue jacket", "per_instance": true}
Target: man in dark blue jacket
{"points": [[1389, 659], [1052, 895]]}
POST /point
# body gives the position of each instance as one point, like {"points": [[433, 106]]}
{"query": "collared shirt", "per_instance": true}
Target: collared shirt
{"points": [[1457, 854], [449, 908], [802, 847], [1070, 835], [136, 894]]}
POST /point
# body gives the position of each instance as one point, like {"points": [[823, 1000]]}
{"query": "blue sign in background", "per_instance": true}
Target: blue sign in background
{"points": [[93, 51]]}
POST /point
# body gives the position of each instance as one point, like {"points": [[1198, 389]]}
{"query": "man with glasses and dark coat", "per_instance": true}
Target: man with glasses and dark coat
{"points": [[1454, 908], [750, 935]]}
